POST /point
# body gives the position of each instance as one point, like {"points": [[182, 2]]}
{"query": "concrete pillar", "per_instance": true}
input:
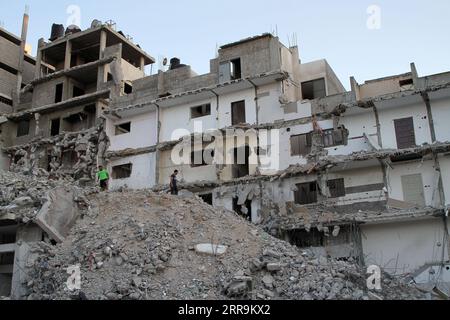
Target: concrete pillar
{"points": [[103, 40], [68, 55], [38, 71], [142, 66], [26, 235]]}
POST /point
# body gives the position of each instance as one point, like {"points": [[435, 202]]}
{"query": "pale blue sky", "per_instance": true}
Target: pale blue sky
{"points": [[414, 30]]}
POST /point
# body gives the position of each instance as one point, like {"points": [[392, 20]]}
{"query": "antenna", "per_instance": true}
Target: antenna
{"points": [[2, 24]]}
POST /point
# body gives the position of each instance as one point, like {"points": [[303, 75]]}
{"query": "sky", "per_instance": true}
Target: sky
{"points": [[366, 39]]}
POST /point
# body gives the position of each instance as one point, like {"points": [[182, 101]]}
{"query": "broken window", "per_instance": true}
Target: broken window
{"points": [[314, 89], [301, 144], [59, 92], [333, 138], [337, 188], [304, 239], [200, 158], [122, 172], [76, 122], [230, 70], [238, 113], [23, 128], [306, 193], [241, 167], [55, 127], [109, 77], [127, 88], [235, 69], [78, 92], [407, 84], [123, 128], [207, 198], [404, 131], [244, 210], [201, 111]]}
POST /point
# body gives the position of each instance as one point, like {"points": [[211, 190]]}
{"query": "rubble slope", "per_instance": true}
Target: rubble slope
{"points": [[142, 245]]}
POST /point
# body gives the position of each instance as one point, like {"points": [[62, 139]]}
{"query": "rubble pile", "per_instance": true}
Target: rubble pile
{"points": [[141, 245]]}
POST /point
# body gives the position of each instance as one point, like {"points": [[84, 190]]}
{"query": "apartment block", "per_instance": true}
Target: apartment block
{"points": [[361, 174]]}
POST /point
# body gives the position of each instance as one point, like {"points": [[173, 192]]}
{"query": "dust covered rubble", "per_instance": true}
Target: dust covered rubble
{"points": [[144, 246], [22, 196]]}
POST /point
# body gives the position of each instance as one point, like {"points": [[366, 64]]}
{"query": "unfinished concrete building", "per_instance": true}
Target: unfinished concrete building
{"points": [[360, 174], [52, 127], [58, 129]]}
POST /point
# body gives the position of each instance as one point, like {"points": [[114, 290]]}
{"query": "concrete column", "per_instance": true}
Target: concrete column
{"points": [[142, 66], [38, 71], [103, 40], [68, 56]]}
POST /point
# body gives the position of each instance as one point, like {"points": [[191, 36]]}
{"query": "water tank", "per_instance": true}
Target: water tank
{"points": [[57, 32], [72, 29], [175, 63], [96, 23]]}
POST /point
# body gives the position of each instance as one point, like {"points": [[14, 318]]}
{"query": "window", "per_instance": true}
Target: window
{"points": [[122, 171], [404, 131], [202, 158], [407, 84], [306, 193], [332, 138], [235, 69], [314, 89], [241, 169], [110, 77], [78, 92], [127, 88], [337, 188], [5, 100], [201, 111], [58, 93], [238, 113], [301, 144], [23, 128], [230, 70], [55, 127], [123, 128]]}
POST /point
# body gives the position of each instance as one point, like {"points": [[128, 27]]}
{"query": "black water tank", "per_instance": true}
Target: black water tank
{"points": [[57, 32], [175, 63], [72, 29]]}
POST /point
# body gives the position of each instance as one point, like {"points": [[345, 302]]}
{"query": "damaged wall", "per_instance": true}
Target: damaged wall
{"points": [[403, 247], [143, 174]]}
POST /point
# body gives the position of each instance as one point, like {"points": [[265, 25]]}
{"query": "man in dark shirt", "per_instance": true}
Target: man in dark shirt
{"points": [[174, 183]]}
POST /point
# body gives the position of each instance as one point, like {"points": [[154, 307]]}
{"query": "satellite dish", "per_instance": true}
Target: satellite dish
{"points": [[165, 62]]}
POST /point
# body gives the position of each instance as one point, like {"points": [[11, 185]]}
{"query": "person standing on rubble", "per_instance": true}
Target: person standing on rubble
{"points": [[174, 183], [103, 178]]}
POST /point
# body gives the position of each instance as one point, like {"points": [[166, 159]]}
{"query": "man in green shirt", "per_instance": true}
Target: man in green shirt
{"points": [[103, 178]]}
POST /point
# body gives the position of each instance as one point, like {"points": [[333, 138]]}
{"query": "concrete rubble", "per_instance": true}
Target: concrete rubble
{"points": [[139, 245]]}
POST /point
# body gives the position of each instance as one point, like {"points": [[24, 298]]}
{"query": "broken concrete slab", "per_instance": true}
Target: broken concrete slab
{"points": [[58, 214], [211, 249]]}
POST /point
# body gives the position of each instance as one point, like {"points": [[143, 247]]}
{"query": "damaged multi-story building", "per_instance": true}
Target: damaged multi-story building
{"points": [[52, 125], [359, 174]]}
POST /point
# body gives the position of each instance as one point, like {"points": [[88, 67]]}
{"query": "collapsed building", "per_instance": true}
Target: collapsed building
{"points": [[360, 174], [53, 127]]}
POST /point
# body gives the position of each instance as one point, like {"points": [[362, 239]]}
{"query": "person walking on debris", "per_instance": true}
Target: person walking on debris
{"points": [[103, 178], [174, 183]]}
